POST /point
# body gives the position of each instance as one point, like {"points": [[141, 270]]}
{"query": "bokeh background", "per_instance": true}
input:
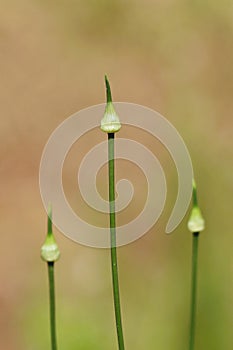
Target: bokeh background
{"points": [[173, 56]]}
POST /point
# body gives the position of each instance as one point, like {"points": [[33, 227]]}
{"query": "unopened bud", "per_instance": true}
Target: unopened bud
{"points": [[110, 122], [49, 250], [196, 221]]}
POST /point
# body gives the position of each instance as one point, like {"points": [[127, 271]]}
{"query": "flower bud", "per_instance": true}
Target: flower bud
{"points": [[49, 250], [196, 221], [110, 122]]}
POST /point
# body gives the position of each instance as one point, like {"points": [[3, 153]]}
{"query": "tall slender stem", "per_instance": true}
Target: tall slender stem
{"points": [[115, 282], [52, 305], [193, 290], [50, 253]]}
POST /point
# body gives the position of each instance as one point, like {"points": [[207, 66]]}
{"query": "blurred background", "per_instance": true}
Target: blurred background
{"points": [[173, 56]]}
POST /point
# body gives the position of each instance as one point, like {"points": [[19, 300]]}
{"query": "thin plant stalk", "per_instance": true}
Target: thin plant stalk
{"points": [[110, 124], [115, 282], [193, 290], [52, 306], [50, 253], [196, 224]]}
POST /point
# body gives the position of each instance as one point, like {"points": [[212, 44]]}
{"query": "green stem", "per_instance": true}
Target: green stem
{"points": [[115, 282], [52, 305], [193, 290]]}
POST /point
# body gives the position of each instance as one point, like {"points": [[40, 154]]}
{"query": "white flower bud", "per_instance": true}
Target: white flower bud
{"points": [[110, 122], [196, 221]]}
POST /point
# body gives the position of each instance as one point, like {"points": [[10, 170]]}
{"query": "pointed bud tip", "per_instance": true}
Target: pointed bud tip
{"points": [[108, 90], [194, 184], [50, 210], [195, 204], [50, 223]]}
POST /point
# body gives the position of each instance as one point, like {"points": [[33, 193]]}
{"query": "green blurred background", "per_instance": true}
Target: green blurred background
{"points": [[172, 56]]}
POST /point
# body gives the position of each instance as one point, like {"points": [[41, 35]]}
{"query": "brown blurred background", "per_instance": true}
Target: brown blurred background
{"points": [[172, 56]]}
